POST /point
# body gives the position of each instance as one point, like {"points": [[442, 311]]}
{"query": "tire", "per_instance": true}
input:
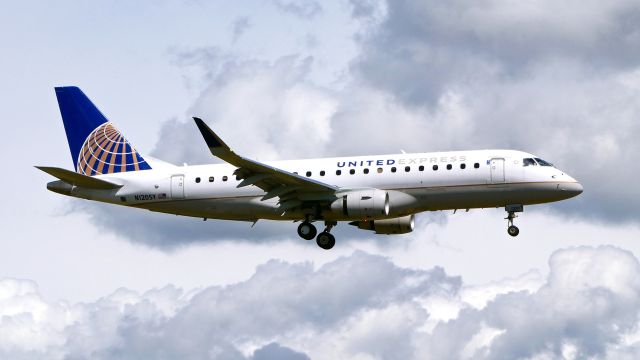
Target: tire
{"points": [[325, 240], [307, 231], [513, 230]]}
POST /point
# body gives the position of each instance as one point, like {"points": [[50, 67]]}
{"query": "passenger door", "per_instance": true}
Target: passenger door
{"points": [[177, 187], [497, 170]]}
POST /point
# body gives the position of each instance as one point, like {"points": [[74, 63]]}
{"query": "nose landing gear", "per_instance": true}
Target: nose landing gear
{"points": [[511, 211]]}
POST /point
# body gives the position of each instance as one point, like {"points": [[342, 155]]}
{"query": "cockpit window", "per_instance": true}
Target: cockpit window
{"points": [[543, 163], [528, 161]]}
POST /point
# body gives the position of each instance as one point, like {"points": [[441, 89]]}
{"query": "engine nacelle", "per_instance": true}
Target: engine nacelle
{"points": [[401, 225], [368, 203]]}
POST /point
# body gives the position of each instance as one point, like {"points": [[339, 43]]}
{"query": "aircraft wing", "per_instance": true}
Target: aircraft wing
{"points": [[292, 189]]}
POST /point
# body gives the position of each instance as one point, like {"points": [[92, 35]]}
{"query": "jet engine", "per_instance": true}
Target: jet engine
{"points": [[400, 225], [368, 203]]}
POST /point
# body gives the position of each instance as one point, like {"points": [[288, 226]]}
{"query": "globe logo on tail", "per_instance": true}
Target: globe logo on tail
{"points": [[106, 151]]}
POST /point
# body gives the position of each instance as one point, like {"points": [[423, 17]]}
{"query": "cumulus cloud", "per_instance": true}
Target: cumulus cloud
{"points": [[267, 110], [587, 307], [557, 79], [422, 47], [280, 311], [361, 306]]}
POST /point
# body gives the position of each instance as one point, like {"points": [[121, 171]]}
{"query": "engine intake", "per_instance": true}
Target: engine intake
{"points": [[400, 225], [362, 204]]}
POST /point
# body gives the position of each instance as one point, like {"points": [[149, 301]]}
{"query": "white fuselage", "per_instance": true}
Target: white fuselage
{"points": [[463, 180]]}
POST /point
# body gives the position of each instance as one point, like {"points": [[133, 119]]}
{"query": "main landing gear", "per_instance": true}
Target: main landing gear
{"points": [[307, 230], [511, 211], [325, 240]]}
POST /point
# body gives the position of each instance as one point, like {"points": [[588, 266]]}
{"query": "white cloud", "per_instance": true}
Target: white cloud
{"points": [[556, 79], [585, 308], [282, 303], [268, 110], [361, 306]]}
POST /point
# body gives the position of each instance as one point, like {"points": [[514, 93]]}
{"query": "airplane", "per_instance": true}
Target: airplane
{"points": [[380, 193]]}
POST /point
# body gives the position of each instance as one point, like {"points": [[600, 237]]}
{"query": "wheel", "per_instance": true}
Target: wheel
{"points": [[307, 231], [513, 230], [325, 240]]}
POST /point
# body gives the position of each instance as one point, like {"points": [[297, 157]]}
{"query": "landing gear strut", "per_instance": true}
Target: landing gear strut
{"points": [[325, 240], [511, 211]]}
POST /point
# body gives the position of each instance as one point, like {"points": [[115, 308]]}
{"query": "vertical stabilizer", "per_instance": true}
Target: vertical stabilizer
{"points": [[96, 146]]}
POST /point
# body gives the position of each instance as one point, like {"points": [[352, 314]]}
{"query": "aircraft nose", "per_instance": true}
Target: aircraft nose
{"points": [[572, 188]]}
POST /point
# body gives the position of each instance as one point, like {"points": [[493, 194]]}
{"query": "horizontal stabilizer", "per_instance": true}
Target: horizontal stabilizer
{"points": [[79, 180]]}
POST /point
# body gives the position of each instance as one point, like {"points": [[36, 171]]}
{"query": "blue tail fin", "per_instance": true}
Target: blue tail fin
{"points": [[97, 147]]}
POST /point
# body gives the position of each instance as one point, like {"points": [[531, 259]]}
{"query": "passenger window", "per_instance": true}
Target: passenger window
{"points": [[338, 172], [407, 168], [463, 165], [435, 167], [449, 167], [352, 171], [197, 180], [366, 171], [210, 178], [308, 173], [528, 162], [380, 170], [295, 172], [421, 168], [393, 169], [476, 165], [225, 178], [322, 173]]}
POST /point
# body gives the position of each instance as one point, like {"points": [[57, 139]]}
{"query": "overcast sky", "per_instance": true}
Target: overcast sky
{"points": [[282, 79]]}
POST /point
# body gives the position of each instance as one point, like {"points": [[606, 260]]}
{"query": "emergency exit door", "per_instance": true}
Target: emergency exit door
{"points": [[497, 170]]}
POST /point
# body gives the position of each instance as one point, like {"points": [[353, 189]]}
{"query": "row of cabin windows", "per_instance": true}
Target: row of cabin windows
{"points": [[366, 171], [394, 169], [224, 178]]}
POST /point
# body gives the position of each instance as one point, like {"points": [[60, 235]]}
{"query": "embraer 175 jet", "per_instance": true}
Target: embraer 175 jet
{"points": [[381, 193]]}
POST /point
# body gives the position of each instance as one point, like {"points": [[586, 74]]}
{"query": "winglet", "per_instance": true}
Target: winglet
{"points": [[216, 145], [212, 140]]}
